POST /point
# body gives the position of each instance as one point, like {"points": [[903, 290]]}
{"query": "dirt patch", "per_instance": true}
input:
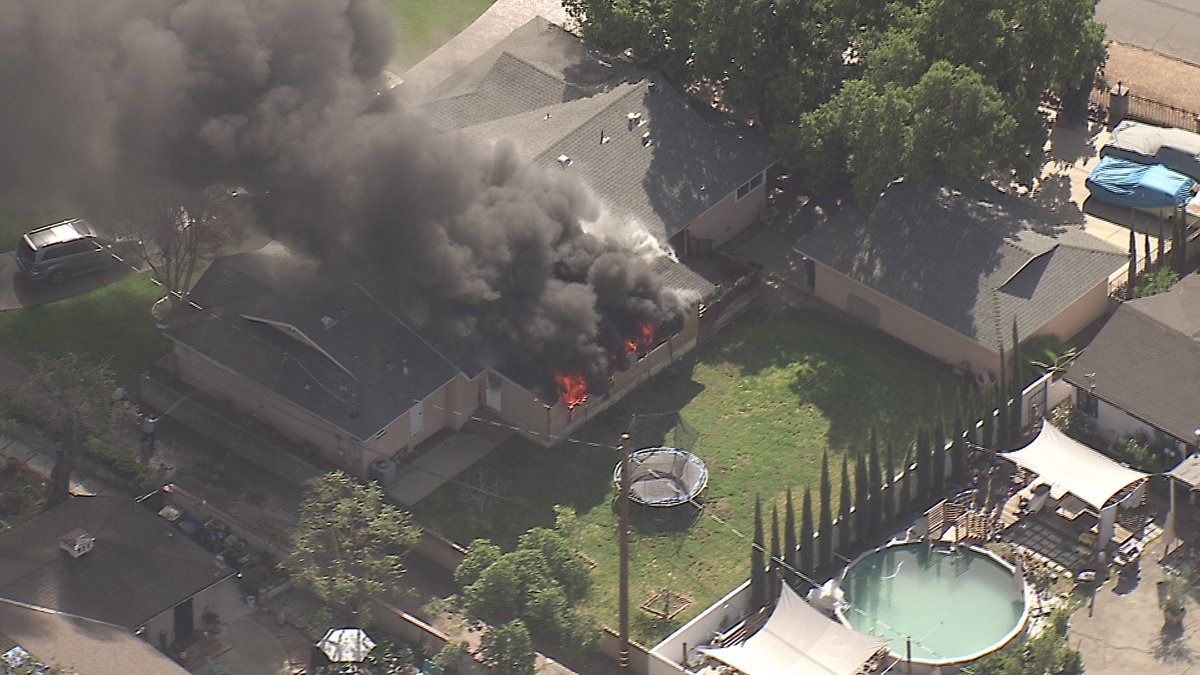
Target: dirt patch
{"points": [[1153, 76]]}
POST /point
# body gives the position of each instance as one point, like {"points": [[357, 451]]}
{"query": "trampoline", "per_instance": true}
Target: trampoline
{"points": [[663, 476]]}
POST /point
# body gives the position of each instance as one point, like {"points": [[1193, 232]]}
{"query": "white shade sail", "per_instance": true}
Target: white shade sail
{"points": [[1067, 465], [346, 645], [799, 640]]}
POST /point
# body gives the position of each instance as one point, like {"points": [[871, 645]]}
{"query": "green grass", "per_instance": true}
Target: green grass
{"points": [[424, 25], [111, 324], [767, 396]]}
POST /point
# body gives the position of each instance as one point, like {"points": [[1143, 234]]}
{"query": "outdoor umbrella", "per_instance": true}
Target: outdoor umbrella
{"points": [[346, 645]]}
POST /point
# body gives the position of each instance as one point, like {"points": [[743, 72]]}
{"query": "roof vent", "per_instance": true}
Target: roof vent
{"points": [[646, 140], [77, 542], [564, 161], [604, 138], [328, 321], [634, 119]]}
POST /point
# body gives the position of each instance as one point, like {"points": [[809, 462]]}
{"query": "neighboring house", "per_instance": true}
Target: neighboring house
{"points": [[103, 570], [948, 271], [334, 367], [361, 380], [1142, 370], [657, 162]]}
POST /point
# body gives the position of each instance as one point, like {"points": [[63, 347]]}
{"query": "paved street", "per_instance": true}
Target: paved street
{"points": [[1169, 27]]}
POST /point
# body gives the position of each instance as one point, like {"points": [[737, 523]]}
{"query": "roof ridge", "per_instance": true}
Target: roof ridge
{"points": [[634, 87]]}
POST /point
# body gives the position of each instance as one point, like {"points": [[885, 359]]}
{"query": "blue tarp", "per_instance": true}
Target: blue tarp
{"points": [[1121, 182]]}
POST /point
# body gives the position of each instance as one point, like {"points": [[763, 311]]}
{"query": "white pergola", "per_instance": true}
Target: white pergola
{"points": [[1067, 465]]}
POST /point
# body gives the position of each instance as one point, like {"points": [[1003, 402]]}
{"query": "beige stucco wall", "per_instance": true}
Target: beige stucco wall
{"points": [[166, 621], [522, 409], [296, 423], [906, 324], [729, 216], [945, 343]]}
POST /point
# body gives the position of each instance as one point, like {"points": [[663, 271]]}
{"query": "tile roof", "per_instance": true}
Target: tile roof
{"points": [[971, 260], [1144, 361], [334, 351], [141, 565]]}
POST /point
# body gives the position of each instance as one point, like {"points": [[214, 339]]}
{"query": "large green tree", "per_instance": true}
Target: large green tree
{"points": [[350, 543], [508, 649], [540, 582]]}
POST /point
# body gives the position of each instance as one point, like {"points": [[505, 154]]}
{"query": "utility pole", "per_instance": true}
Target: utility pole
{"points": [[623, 538]]}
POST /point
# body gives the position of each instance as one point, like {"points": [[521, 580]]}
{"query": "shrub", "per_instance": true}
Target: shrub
{"points": [[124, 465]]}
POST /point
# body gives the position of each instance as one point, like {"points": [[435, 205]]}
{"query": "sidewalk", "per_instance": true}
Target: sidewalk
{"points": [[42, 461]]}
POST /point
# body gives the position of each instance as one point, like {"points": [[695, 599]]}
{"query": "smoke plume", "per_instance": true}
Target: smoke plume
{"points": [[109, 100]]}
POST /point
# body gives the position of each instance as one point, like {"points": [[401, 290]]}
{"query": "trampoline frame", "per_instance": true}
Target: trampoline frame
{"points": [[683, 456]]}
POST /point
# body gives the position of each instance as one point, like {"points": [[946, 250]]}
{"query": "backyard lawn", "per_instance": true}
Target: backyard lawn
{"points": [[766, 397], [110, 324], [424, 25]]}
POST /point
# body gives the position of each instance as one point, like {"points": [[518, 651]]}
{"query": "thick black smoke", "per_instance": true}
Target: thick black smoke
{"points": [[108, 100]]}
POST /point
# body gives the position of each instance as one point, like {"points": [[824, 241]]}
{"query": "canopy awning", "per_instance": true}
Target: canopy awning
{"points": [[799, 640], [1188, 471], [1064, 463]]}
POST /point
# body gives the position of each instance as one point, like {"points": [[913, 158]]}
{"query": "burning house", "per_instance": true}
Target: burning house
{"points": [[499, 243]]}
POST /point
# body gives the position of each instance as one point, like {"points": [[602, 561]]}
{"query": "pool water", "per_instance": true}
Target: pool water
{"points": [[956, 606]]}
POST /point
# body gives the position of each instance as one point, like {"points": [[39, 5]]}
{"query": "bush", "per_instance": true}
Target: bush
{"points": [[125, 466], [1158, 281]]}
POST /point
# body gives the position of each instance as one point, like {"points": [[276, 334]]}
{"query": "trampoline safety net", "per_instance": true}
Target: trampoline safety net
{"points": [[663, 476]]}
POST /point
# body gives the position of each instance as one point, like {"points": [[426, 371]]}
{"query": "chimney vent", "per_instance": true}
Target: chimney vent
{"points": [[328, 321], [634, 119], [564, 161], [646, 140], [77, 542], [604, 138]]}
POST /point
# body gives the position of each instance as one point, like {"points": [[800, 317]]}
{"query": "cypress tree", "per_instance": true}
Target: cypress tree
{"points": [[805, 554], [789, 536], [924, 468], [937, 488], [875, 480], [1002, 402], [905, 499], [825, 519], [845, 501], [1129, 291], [773, 578], [958, 455], [758, 571], [862, 494], [890, 465]]}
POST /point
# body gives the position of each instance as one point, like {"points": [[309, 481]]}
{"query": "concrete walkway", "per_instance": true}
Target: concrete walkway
{"points": [[415, 480], [492, 26], [1122, 632]]}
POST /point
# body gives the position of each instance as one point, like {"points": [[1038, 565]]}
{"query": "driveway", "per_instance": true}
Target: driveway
{"points": [[17, 291], [1168, 27]]}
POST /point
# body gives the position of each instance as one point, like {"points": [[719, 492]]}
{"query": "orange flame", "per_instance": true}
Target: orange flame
{"points": [[572, 390], [646, 341]]}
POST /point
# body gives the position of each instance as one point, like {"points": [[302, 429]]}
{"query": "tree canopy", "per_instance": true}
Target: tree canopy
{"points": [[540, 583], [868, 89], [350, 543]]}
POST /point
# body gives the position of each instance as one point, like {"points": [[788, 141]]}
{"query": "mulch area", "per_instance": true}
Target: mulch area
{"points": [[1154, 76]]}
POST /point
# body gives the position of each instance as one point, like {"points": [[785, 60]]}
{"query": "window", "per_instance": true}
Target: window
{"points": [[750, 185]]}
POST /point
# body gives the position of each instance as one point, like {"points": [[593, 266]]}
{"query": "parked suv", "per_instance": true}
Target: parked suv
{"points": [[62, 250]]}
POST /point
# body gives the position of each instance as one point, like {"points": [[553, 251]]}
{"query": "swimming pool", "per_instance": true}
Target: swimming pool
{"points": [[955, 606]]}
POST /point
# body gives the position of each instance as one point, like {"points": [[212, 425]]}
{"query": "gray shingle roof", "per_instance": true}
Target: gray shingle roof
{"points": [[971, 260], [141, 565], [546, 90], [1146, 366], [360, 372]]}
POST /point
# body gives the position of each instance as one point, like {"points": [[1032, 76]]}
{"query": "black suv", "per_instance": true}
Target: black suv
{"points": [[62, 250]]}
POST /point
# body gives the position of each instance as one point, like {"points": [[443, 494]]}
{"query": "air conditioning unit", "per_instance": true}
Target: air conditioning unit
{"points": [[383, 471], [77, 542]]}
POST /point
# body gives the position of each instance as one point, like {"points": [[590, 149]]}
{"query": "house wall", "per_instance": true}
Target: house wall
{"points": [[201, 602], [524, 410], [667, 657], [902, 322], [1079, 314], [1112, 423], [296, 423], [729, 216]]}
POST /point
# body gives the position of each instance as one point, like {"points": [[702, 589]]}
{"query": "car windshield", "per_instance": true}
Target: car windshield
{"points": [[25, 252]]}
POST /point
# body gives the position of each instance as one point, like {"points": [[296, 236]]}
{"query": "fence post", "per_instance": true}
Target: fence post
{"points": [[1118, 104]]}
